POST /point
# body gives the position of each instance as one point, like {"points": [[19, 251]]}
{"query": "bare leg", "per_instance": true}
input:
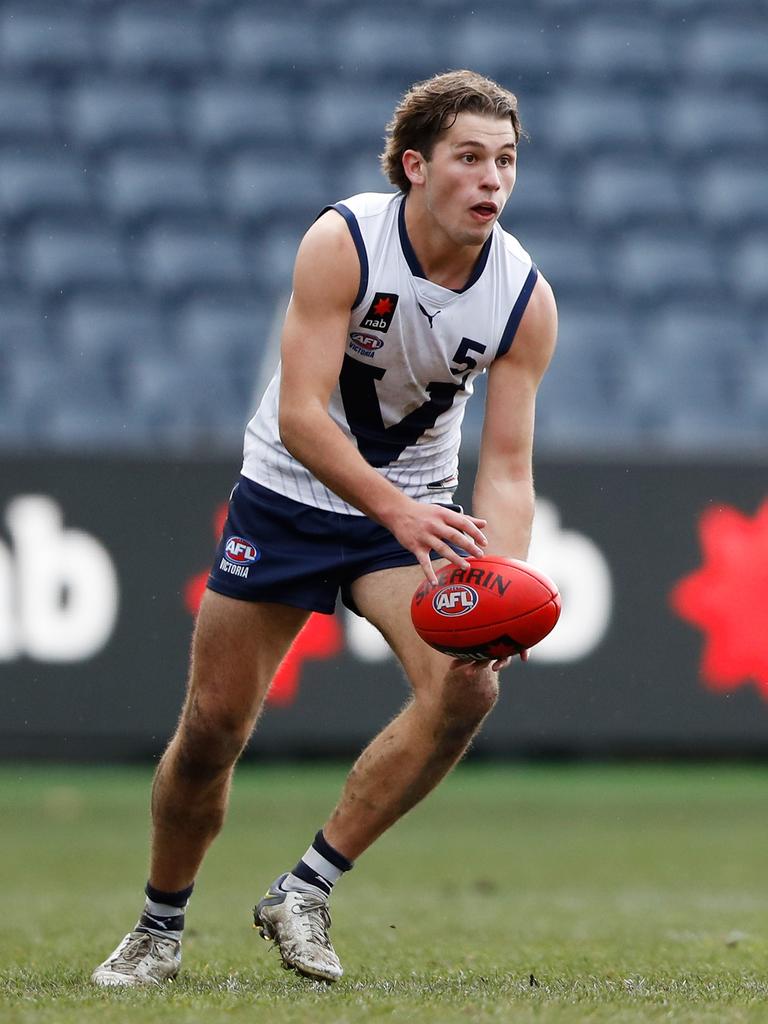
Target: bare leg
{"points": [[416, 750], [236, 650]]}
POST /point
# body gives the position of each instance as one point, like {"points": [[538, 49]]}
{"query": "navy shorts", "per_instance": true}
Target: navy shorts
{"points": [[282, 551]]}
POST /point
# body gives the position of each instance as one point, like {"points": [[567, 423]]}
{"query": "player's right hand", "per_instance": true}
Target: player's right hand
{"points": [[422, 528]]}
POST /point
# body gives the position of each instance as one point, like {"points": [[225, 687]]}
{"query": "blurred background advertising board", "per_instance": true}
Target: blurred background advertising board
{"points": [[660, 649]]}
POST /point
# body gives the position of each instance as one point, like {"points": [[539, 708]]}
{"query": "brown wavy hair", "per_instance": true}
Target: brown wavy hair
{"points": [[430, 108]]}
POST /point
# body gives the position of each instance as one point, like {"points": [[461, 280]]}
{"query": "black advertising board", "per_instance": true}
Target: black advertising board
{"points": [[663, 569]]}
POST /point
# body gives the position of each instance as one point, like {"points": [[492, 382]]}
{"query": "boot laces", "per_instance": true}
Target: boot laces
{"points": [[315, 911], [135, 950]]}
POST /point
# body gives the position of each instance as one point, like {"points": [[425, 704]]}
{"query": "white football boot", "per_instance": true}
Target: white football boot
{"points": [[298, 923], [142, 958]]}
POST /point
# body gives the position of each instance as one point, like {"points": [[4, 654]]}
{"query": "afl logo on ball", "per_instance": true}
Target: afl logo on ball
{"points": [[241, 552], [454, 600]]}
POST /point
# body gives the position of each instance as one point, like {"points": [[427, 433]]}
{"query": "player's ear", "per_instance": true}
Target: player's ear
{"points": [[414, 166]]}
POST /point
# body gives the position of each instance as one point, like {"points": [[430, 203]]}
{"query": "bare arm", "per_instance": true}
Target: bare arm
{"points": [[326, 280], [503, 491]]}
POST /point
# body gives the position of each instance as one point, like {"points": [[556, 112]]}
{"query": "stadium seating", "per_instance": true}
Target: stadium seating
{"points": [[618, 49], [160, 162], [615, 193], [365, 114], [26, 112], [652, 266], [586, 399], [588, 121], [705, 353], [100, 111], [571, 264], [541, 196], [40, 180], [225, 112], [254, 186], [142, 183], [271, 255], [266, 45], [46, 38], [518, 48], [230, 328], [725, 51], [23, 326], [732, 195], [151, 38], [179, 256], [703, 124], [749, 267], [378, 47], [58, 255], [106, 326]]}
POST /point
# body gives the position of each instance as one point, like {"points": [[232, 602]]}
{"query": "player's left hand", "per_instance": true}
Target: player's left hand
{"points": [[501, 663], [496, 664]]}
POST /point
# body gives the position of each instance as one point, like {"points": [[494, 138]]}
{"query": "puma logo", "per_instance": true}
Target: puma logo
{"points": [[427, 315]]}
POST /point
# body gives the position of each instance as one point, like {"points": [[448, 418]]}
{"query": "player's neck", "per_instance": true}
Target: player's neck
{"points": [[442, 260]]}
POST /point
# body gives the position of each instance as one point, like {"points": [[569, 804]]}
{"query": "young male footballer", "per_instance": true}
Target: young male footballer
{"points": [[400, 300]]}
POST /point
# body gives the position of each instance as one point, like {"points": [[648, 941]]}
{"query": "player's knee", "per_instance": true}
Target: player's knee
{"points": [[209, 742], [468, 699], [480, 698]]}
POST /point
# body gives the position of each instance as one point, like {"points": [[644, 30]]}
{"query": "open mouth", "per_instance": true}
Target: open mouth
{"points": [[485, 210]]}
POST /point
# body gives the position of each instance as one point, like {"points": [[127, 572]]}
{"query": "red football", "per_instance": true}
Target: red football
{"points": [[497, 607]]}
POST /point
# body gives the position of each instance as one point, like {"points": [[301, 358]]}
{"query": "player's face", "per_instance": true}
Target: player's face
{"points": [[470, 175]]}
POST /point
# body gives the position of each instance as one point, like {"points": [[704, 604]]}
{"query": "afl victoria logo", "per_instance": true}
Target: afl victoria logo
{"points": [[241, 552], [454, 600], [367, 341]]}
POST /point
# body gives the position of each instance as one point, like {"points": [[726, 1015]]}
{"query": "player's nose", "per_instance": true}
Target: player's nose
{"points": [[491, 177]]}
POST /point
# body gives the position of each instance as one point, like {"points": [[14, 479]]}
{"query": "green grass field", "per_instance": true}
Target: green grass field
{"points": [[513, 894]]}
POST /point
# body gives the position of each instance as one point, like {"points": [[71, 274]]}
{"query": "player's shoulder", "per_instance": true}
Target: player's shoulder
{"points": [[339, 223], [512, 248], [368, 204]]}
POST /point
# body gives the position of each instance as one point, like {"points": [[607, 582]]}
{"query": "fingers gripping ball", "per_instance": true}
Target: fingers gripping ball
{"points": [[496, 608]]}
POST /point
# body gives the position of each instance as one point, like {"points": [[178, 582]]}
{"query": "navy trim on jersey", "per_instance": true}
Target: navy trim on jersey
{"points": [[413, 260], [517, 311], [357, 238]]}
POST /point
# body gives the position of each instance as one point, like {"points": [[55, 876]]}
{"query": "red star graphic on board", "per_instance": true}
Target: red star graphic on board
{"points": [[383, 306], [728, 598], [321, 637]]}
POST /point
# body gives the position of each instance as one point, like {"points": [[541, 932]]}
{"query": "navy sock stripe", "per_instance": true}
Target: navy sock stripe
{"points": [[151, 922], [172, 899], [306, 874], [325, 849]]}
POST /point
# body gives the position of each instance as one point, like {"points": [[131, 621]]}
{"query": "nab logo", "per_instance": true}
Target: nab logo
{"points": [[59, 589], [241, 552], [454, 600], [379, 316]]}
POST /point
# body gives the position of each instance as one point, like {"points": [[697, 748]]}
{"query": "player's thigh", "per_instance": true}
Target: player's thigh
{"points": [[384, 598], [236, 650]]}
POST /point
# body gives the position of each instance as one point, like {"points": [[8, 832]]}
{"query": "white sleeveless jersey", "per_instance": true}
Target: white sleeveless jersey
{"points": [[413, 352]]}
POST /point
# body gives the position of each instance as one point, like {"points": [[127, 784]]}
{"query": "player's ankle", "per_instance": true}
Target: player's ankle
{"points": [[319, 869], [163, 912]]}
